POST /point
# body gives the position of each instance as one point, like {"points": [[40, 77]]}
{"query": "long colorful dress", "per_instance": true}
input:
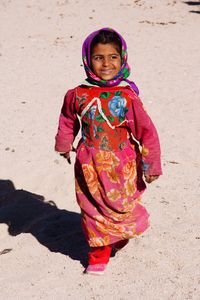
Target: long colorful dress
{"points": [[109, 164]]}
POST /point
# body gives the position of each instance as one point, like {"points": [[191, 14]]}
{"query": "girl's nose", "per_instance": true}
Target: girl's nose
{"points": [[105, 61]]}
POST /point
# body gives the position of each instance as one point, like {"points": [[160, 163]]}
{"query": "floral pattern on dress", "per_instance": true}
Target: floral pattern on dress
{"points": [[113, 108], [91, 178], [108, 168], [106, 160], [117, 106]]}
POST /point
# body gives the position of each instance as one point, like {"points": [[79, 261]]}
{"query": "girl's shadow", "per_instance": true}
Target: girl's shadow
{"points": [[58, 230]]}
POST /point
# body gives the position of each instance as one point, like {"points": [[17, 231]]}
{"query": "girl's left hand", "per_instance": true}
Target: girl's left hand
{"points": [[150, 178]]}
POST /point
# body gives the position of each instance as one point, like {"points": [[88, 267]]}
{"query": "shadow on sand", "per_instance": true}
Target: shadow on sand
{"points": [[58, 230], [193, 3]]}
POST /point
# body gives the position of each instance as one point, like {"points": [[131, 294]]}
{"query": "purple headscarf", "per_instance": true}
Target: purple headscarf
{"points": [[124, 71]]}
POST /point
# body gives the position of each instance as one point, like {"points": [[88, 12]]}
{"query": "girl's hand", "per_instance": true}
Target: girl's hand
{"points": [[67, 155], [150, 178]]}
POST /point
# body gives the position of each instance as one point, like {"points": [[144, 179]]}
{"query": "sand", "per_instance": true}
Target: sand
{"points": [[42, 248]]}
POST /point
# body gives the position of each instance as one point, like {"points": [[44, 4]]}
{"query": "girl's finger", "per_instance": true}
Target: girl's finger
{"points": [[150, 178], [68, 159], [73, 149], [67, 156]]}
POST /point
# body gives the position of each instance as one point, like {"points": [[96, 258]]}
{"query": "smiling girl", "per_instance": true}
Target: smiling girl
{"points": [[119, 148]]}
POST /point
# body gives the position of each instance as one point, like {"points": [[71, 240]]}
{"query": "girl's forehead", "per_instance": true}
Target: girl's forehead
{"points": [[105, 48]]}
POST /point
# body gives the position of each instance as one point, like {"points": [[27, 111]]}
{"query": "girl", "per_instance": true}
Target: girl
{"points": [[119, 145]]}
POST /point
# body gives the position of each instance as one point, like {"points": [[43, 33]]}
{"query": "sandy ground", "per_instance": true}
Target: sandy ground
{"points": [[42, 248]]}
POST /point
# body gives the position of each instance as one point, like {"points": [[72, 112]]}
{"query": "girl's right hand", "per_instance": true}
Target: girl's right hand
{"points": [[67, 156]]}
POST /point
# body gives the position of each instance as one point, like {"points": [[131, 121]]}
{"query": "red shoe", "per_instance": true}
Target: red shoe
{"points": [[121, 244], [97, 269]]}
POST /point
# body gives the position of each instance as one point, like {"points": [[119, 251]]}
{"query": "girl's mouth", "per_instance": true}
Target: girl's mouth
{"points": [[107, 72]]}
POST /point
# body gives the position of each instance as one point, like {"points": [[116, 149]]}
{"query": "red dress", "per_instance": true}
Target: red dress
{"points": [[109, 164]]}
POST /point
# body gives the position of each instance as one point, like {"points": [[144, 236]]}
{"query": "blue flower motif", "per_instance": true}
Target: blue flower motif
{"points": [[116, 106], [83, 134], [91, 112], [94, 130]]}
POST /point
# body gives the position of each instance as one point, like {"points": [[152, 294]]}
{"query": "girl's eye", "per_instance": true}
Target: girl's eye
{"points": [[114, 57], [110, 57], [97, 58]]}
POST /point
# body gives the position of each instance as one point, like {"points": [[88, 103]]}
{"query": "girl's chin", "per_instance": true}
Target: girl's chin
{"points": [[107, 77]]}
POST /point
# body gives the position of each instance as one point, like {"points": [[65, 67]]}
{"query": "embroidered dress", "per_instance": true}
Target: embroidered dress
{"points": [[109, 165]]}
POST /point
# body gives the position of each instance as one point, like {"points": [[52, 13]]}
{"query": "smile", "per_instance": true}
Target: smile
{"points": [[107, 72]]}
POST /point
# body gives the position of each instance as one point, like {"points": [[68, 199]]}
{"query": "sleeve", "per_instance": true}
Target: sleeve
{"points": [[69, 124], [144, 131]]}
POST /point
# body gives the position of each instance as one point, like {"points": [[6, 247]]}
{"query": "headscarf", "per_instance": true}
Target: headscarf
{"points": [[124, 71]]}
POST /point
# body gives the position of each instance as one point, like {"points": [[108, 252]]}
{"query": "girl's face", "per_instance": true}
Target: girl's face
{"points": [[106, 61]]}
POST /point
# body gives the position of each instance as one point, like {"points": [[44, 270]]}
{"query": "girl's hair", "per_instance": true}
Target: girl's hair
{"points": [[107, 37]]}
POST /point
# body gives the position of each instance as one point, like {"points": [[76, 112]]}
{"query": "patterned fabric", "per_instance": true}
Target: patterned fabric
{"points": [[102, 119], [108, 168], [123, 73]]}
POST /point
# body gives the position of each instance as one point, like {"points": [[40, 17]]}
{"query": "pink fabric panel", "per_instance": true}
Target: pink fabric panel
{"points": [[146, 134], [68, 123]]}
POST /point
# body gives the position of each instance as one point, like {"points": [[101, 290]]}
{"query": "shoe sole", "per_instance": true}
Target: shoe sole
{"points": [[95, 273]]}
